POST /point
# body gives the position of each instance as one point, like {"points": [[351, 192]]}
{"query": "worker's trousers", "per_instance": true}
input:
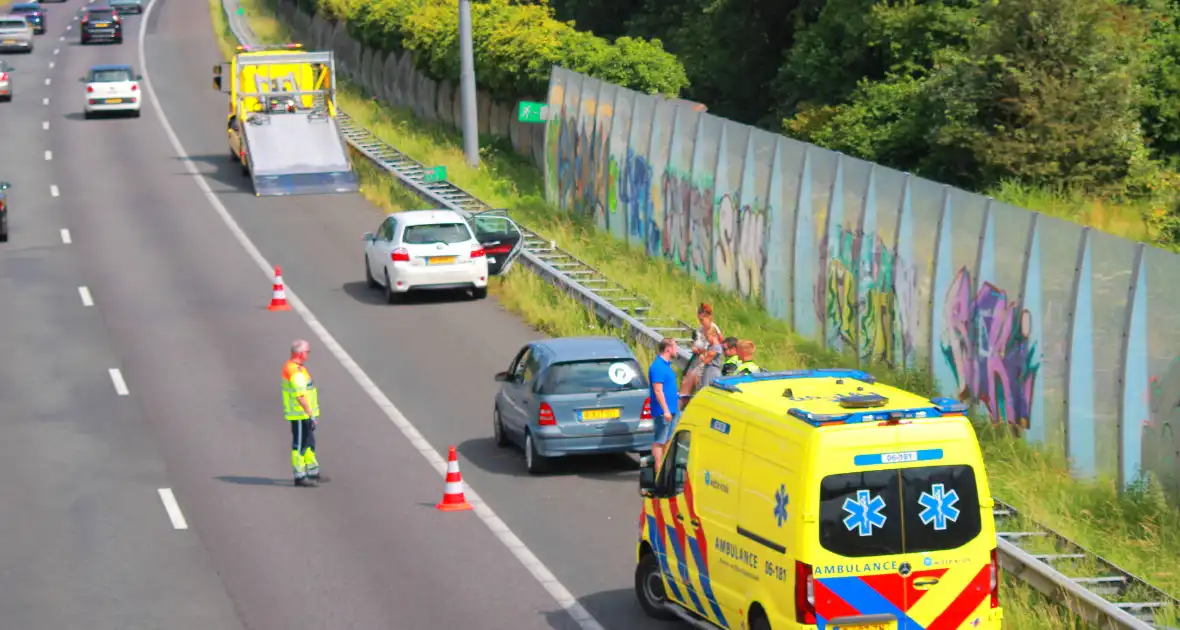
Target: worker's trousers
{"points": [[303, 459]]}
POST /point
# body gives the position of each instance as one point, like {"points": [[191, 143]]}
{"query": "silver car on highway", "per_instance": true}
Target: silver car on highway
{"points": [[15, 34]]}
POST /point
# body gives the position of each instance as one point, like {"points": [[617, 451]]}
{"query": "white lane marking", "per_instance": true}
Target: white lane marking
{"points": [[499, 528], [87, 299], [54, 191], [69, 26], [47, 80], [45, 101], [45, 125], [56, 50], [118, 382], [48, 155], [65, 236], [173, 509], [62, 38], [51, 65]]}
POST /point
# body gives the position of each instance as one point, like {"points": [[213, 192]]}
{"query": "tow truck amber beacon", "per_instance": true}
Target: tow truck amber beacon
{"points": [[282, 126]]}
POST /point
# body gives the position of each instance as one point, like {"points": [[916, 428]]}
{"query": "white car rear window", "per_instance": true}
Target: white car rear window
{"points": [[110, 76], [448, 233]]}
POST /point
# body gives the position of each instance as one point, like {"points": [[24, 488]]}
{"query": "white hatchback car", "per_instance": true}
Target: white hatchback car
{"points": [[425, 250], [112, 89]]}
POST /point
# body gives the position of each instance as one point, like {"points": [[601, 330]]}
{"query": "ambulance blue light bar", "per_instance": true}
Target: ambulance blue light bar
{"points": [[941, 407], [730, 383]]}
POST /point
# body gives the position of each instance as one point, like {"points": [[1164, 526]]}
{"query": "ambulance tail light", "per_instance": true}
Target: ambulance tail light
{"points": [[804, 594], [995, 580], [545, 417], [646, 414]]}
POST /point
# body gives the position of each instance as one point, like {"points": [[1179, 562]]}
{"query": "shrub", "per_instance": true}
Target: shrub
{"points": [[515, 45]]}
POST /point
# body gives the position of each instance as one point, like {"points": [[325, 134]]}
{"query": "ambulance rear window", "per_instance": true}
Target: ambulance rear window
{"points": [[908, 510]]}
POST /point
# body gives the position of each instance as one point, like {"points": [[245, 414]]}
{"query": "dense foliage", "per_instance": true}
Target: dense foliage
{"points": [[1072, 95], [516, 45]]}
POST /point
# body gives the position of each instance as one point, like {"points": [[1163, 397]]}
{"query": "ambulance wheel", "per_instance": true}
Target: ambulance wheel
{"points": [[534, 462], [649, 588]]}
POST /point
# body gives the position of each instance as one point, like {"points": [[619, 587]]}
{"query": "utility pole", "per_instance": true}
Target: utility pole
{"points": [[467, 85]]}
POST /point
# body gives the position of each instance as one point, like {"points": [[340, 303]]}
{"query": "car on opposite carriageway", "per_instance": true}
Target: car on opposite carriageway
{"points": [[32, 13], [4, 186], [126, 6], [15, 34], [101, 24], [112, 89], [573, 396]]}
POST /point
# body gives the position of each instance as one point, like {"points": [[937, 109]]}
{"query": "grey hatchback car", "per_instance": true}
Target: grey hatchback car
{"points": [[573, 396]]}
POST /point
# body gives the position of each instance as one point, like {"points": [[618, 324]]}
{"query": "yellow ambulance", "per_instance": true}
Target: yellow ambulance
{"points": [[819, 499]]}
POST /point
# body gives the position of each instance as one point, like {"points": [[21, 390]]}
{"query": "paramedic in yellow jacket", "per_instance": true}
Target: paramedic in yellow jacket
{"points": [[301, 407]]}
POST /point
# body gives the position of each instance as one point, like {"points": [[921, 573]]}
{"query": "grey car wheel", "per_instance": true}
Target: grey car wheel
{"points": [[498, 430], [534, 462]]}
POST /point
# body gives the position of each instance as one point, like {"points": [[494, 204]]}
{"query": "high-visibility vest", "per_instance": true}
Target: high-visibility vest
{"points": [[748, 367], [731, 364], [293, 373]]}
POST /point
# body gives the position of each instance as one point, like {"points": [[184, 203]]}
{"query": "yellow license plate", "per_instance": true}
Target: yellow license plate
{"points": [[10, 41], [442, 260], [867, 626], [114, 100], [101, 24], [600, 414]]}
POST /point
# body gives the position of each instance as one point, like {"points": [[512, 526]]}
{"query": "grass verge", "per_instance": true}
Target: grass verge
{"points": [[1127, 529]]}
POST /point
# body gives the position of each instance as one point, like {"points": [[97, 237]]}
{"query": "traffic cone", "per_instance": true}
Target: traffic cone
{"points": [[453, 499], [278, 302]]}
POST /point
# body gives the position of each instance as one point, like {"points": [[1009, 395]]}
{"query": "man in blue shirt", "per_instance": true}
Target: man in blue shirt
{"points": [[665, 398]]}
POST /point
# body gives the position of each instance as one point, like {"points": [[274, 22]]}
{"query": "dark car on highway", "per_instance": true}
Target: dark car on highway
{"points": [[4, 186], [33, 14], [101, 24]]}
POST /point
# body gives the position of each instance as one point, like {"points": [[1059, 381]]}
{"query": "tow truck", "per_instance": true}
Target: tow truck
{"points": [[282, 124]]}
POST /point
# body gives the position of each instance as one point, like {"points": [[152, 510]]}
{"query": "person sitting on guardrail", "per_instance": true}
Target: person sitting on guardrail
{"points": [[715, 351], [701, 355]]}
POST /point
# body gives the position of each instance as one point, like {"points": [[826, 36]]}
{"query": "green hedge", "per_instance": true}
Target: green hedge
{"points": [[515, 45]]}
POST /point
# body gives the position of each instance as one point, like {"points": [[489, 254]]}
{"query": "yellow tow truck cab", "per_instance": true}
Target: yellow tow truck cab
{"points": [[819, 499]]}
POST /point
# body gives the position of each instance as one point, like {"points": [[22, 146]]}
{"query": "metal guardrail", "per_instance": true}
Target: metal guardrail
{"points": [[1095, 589]]}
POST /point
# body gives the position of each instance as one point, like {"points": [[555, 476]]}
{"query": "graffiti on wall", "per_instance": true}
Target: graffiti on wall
{"points": [[739, 245], [582, 186], [986, 342], [1161, 448], [635, 183], [875, 311]]}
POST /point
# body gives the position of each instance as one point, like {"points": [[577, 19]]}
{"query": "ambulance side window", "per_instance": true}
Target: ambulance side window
{"points": [[860, 514], [674, 472]]}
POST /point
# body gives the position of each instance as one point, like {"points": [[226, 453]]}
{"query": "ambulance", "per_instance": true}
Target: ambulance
{"points": [[819, 499]]}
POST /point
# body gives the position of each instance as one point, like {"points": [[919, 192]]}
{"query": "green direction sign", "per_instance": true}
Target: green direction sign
{"points": [[532, 112], [436, 174]]}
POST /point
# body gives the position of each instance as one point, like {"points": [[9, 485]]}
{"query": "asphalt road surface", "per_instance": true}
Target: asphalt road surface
{"points": [[138, 356]]}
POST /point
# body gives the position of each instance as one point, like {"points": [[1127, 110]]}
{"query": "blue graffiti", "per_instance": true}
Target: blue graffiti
{"points": [[635, 193]]}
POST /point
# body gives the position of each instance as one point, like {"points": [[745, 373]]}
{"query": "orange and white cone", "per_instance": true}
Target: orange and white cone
{"points": [[278, 301], [453, 499]]}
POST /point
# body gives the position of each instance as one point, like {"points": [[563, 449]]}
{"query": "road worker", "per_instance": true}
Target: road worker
{"points": [[745, 351], [301, 406]]}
